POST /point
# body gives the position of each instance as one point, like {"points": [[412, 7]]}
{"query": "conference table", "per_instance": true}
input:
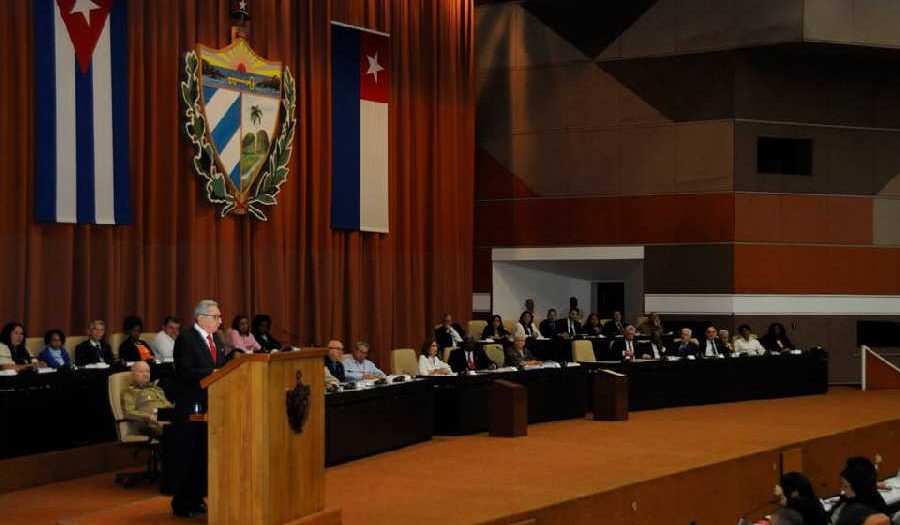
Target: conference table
{"points": [[46, 412], [664, 384], [461, 402], [364, 422]]}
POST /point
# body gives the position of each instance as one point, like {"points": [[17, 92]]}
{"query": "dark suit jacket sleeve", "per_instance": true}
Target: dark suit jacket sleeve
{"points": [[442, 336], [457, 360], [84, 353], [188, 361], [512, 357], [128, 352], [482, 361]]}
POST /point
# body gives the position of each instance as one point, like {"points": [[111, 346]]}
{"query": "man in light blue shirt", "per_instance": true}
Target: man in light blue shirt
{"points": [[357, 367]]}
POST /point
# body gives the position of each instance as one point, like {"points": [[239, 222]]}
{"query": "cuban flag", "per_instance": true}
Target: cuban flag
{"points": [[360, 95], [82, 165]]}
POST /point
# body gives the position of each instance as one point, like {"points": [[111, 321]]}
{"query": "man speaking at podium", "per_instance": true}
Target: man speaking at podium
{"points": [[197, 352]]}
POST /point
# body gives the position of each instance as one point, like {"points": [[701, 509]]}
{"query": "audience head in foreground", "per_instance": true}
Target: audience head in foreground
{"points": [[796, 492]]}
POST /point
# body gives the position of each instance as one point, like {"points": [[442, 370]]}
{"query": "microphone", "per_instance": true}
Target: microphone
{"points": [[743, 519]]}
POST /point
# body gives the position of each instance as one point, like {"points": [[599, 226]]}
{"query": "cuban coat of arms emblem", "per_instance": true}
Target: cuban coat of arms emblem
{"points": [[240, 118]]}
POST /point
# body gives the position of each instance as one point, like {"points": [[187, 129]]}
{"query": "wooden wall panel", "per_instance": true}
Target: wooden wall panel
{"points": [[802, 219], [816, 269], [605, 220]]}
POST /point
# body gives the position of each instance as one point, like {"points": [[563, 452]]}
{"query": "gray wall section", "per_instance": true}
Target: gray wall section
{"points": [[845, 161], [689, 269], [819, 83]]}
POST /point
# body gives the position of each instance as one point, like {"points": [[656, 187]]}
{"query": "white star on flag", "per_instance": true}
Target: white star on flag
{"points": [[243, 5], [84, 7], [374, 66]]}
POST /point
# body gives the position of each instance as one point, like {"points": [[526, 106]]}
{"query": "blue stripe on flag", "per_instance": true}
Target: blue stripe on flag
{"points": [[45, 120], [84, 144], [208, 93], [345, 128], [228, 126], [121, 163], [235, 175]]}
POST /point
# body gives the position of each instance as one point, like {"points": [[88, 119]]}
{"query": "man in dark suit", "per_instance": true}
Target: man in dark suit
{"points": [[334, 358], [548, 325], [684, 347], [198, 352], [449, 333], [615, 326], [625, 348], [571, 326], [94, 350], [469, 356], [712, 346]]}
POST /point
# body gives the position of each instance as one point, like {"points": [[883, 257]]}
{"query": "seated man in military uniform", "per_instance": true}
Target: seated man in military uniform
{"points": [[141, 400]]}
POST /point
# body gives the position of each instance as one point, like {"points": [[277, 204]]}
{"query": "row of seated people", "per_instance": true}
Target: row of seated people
{"points": [[716, 342], [243, 336]]}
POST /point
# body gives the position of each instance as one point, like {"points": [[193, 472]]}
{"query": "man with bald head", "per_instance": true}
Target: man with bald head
{"points": [[141, 400], [334, 358]]}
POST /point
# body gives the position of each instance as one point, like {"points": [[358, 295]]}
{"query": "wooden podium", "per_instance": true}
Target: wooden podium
{"points": [[261, 472]]}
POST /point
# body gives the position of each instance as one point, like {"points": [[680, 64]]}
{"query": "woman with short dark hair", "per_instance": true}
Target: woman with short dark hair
{"points": [[859, 487], [133, 348], [55, 354]]}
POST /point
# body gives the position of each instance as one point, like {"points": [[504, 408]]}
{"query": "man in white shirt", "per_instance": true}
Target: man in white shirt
{"points": [[164, 341], [357, 367]]}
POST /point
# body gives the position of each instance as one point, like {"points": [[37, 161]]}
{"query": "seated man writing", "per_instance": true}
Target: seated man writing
{"points": [[357, 367], [519, 354], [141, 400]]}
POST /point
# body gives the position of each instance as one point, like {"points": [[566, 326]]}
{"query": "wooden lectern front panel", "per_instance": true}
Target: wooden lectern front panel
{"points": [[260, 471]]}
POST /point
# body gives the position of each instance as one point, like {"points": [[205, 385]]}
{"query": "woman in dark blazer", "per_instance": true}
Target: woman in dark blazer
{"points": [[592, 326], [776, 340], [133, 348], [495, 329]]}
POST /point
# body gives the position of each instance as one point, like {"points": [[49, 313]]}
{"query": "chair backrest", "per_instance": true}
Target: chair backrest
{"points": [[447, 351], [114, 341], [34, 345], [695, 341], [510, 325], [641, 319], [118, 382], [495, 354], [148, 336], [403, 361], [72, 342], [475, 327], [582, 350]]}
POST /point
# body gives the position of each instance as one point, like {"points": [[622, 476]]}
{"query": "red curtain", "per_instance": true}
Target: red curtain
{"points": [[315, 282]]}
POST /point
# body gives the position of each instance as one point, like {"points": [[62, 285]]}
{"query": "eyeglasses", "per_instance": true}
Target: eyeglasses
{"points": [[214, 316]]}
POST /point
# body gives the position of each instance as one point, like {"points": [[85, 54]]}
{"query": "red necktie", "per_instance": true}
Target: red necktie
{"points": [[471, 361], [212, 347]]}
